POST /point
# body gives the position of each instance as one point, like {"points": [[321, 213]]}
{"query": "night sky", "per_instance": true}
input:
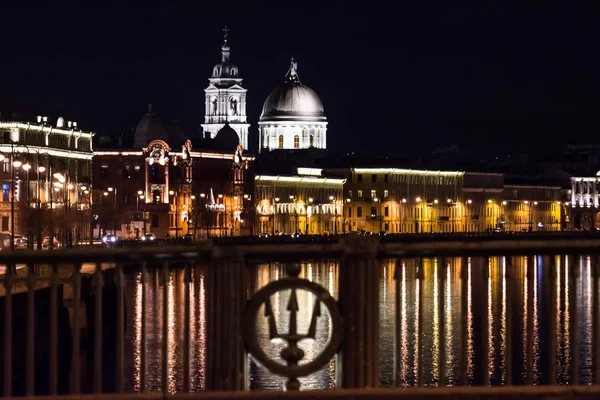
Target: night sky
{"points": [[394, 77]]}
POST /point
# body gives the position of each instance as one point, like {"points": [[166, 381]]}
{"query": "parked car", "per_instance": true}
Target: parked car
{"points": [[149, 237], [20, 242], [263, 235], [110, 239], [46, 243]]}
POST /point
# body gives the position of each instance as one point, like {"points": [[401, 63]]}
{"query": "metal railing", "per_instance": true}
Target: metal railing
{"points": [[65, 316]]}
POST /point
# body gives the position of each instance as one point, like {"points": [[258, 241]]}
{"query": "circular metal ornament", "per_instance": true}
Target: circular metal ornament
{"points": [[250, 334]]}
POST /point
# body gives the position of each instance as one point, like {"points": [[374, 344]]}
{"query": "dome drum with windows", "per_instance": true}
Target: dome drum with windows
{"points": [[293, 116]]}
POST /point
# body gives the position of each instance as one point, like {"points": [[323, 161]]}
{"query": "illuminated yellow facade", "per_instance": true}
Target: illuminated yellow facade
{"points": [[399, 200], [307, 203]]}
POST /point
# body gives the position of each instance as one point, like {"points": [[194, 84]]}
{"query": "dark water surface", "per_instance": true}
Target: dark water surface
{"points": [[541, 294]]}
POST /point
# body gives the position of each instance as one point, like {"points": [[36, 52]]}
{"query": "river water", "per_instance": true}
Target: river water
{"points": [[539, 295]]}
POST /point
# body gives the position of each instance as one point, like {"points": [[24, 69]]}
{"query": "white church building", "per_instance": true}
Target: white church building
{"points": [[292, 117]]}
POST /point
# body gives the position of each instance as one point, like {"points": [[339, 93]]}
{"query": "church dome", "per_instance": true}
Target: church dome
{"points": [[227, 138], [225, 69], [293, 101], [150, 128]]}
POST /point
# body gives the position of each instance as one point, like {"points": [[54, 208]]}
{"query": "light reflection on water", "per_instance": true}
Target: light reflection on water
{"points": [[491, 299]]}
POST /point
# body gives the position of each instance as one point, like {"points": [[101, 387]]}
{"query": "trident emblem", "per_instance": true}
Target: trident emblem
{"points": [[292, 354]]}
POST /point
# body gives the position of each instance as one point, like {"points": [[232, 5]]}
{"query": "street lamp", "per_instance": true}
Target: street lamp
{"points": [[175, 194]]}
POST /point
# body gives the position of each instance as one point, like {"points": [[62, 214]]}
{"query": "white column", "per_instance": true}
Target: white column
{"points": [[573, 191]]}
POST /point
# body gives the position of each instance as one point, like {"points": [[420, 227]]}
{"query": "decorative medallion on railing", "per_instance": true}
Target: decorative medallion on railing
{"points": [[292, 354]]}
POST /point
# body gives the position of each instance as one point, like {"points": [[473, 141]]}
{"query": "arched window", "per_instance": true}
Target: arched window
{"points": [[232, 71], [312, 140], [281, 141], [296, 142]]}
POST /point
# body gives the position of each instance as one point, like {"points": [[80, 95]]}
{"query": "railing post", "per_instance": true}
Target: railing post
{"points": [[226, 299], [359, 303]]}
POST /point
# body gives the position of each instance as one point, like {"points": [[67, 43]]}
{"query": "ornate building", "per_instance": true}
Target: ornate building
{"points": [[292, 116], [45, 178], [225, 99], [171, 188], [585, 202]]}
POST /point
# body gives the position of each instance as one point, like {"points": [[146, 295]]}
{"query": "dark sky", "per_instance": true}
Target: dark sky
{"points": [[394, 76]]}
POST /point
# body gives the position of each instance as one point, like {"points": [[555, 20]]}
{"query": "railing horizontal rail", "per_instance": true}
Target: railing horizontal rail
{"points": [[496, 393]]}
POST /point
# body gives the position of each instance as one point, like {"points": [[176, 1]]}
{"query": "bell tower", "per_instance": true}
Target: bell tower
{"points": [[225, 98]]}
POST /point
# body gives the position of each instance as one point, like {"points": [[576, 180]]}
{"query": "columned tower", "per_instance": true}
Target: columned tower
{"points": [[225, 100]]}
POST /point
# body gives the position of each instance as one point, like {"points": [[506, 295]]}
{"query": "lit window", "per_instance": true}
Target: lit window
{"points": [[5, 165], [281, 141], [385, 194], [104, 171], [373, 193], [359, 193], [296, 142], [350, 193]]}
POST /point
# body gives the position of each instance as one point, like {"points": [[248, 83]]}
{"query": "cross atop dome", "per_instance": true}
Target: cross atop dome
{"points": [[292, 74], [225, 33]]}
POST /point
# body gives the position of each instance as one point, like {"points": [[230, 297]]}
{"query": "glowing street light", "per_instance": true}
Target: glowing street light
{"points": [[504, 203], [26, 166], [202, 195], [404, 200], [489, 201], [469, 201], [41, 168], [435, 201], [70, 186], [418, 199], [105, 194], [193, 197], [17, 163], [140, 192], [110, 189], [448, 200]]}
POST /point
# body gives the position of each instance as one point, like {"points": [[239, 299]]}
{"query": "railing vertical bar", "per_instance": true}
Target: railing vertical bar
{"points": [[53, 370], [30, 353], [553, 327], [8, 283], [442, 310], [464, 310], [420, 279], [398, 321], [485, 345], [575, 265], [165, 330], [529, 322], [120, 376], [595, 323], [186, 329], [76, 283], [98, 288], [508, 273], [143, 329]]}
